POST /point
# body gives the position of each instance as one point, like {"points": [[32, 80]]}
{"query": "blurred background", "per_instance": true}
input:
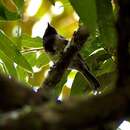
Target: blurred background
{"points": [[36, 15], [22, 55]]}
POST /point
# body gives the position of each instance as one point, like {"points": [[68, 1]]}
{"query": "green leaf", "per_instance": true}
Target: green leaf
{"points": [[100, 55], [107, 80], [96, 59], [28, 41], [7, 15], [107, 67], [1, 68], [80, 85], [106, 23], [92, 44], [43, 59], [11, 51], [31, 58], [86, 10], [52, 2], [9, 65], [20, 4], [59, 86], [37, 78], [22, 74]]}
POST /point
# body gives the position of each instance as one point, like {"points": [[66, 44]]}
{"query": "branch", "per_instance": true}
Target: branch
{"points": [[123, 31], [32, 50], [77, 114], [14, 95]]}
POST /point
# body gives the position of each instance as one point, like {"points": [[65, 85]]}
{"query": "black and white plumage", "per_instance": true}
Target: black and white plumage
{"points": [[54, 44]]}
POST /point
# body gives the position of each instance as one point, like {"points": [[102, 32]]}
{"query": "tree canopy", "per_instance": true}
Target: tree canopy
{"points": [[39, 92]]}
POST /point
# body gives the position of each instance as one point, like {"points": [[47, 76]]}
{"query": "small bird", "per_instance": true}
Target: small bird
{"points": [[55, 44]]}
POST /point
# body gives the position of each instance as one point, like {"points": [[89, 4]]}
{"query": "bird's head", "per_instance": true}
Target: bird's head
{"points": [[49, 31]]}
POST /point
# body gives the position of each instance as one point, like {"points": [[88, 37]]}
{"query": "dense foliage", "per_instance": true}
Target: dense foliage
{"points": [[23, 57]]}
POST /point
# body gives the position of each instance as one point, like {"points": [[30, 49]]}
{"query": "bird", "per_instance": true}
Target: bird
{"points": [[54, 44]]}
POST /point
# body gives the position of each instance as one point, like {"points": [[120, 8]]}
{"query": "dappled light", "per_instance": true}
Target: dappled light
{"points": [[64, 64], [40, 26], [125, 125], [16, 31], [33, 7], [58, 8]]}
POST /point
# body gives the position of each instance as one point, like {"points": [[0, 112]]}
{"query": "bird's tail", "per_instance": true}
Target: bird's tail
{"points": [[82, 67]]}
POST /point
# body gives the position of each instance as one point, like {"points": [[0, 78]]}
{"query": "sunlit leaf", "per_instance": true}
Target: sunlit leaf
{"points": [[37, 78], [65, 92], [27, 41], [11, 51], [80, 85], [20, 4], [86, 10], [7, 14], [66, 89], [45, 6], [31, 58], [93, 43], [60, 85], [43, 59], [2, 68], [9, 5], [22, 74], [107, 67], [96, 58], [9, 65]]}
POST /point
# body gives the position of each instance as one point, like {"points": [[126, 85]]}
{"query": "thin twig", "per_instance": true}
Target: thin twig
{"points": [[32, 50]]}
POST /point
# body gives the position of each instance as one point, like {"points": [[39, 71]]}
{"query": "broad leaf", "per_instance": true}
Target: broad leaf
{"points": [[3, 69], [60, 85], [6, 13], [37, 78], [66, 89], [92, 44], [43, 59], [31, 58], [20, 4], [27, 41], [80, 85], [22, 74], [107, 80], [9, 65], [96, 59], [106, 22], [11, 51], [107, 67], [86, 10]]}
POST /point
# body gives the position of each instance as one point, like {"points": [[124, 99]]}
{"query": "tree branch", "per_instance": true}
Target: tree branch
{"points": [[14, 95], [77, 114], [123, 31]]}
